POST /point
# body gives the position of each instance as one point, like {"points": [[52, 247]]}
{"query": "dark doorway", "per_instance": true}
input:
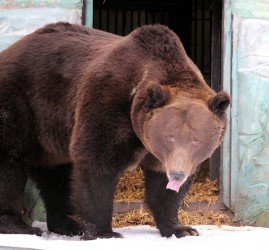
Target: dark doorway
{"points": [[197, 23]]}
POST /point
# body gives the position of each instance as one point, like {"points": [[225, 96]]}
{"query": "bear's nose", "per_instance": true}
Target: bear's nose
{"points": [[177, 176]]}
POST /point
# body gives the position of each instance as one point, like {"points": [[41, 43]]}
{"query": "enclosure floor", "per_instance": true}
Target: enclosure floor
{"points": [[201, 206]]}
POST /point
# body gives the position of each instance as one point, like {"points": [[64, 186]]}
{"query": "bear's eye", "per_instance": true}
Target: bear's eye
{"points": [[171, 139], [195, 142]]}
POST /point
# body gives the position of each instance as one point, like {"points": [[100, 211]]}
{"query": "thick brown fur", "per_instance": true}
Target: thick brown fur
{"points": [[79, 106]]}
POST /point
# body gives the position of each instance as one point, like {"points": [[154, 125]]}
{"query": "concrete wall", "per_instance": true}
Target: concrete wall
{"points": [[246, 76], [20, 17]]}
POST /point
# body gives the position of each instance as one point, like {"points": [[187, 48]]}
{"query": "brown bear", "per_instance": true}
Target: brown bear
{"points": [[80, 106]]}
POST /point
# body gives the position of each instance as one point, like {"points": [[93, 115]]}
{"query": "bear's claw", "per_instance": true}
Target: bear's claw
{"points": [[183, 231], [179, 231]]}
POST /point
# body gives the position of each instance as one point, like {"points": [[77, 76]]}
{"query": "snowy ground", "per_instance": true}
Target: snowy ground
{"points": [[145, 237]]}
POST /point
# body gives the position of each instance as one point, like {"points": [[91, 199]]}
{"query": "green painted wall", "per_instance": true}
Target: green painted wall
{"points": [[69, 4], [89, 14], [253, 119], [251, 9], [20, 17], [246, 76]]}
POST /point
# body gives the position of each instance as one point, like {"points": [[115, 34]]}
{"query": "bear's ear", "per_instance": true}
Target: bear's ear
{"points": [[219, 103], [157, 95]]}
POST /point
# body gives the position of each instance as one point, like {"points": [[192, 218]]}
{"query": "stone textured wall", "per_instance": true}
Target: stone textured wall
{"points": [[249, 128], [253, 118], [20, 17]]}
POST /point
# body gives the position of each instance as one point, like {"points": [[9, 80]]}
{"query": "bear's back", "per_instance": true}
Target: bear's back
{"points": [[43, 71], [56, 40]]}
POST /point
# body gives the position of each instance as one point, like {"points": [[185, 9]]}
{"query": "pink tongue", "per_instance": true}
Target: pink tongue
{"points": [[173, 185]]}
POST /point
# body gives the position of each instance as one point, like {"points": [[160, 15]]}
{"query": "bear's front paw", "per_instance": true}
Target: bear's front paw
{"points": [[101, 235], [179, 232], [182, 231], [61, 224]]}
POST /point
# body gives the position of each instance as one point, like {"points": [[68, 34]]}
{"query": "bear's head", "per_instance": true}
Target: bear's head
{"points": [[178, 128]]}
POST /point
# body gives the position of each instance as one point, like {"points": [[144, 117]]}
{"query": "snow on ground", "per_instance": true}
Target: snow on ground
{"points": [[145, 237]]}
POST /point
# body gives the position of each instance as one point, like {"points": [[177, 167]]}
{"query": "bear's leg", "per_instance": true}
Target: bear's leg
{"points": [[55, 188], [165, 203], [12, 182], [93, 197]]}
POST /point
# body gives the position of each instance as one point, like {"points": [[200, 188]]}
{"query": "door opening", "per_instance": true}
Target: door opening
{"points": [[197, 23]]}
